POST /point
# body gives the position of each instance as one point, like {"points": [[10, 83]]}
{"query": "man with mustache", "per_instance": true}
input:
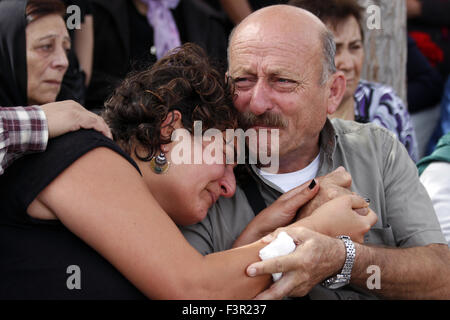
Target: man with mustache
{"points": [[281, 59]]}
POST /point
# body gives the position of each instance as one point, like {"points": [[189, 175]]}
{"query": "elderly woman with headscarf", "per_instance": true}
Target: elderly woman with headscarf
{"points": [[33, 52], [33, 61]]}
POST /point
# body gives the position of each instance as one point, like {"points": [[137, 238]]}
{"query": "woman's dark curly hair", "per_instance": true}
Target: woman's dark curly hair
{"points": [[183, 80]]}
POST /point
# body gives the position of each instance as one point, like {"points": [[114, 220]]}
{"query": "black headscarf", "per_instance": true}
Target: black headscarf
{"points": [[13, 62], [13, 59]]}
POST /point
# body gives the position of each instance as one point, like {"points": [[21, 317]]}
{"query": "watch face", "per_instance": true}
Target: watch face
{"points": [[336, 282], [337, 285]]}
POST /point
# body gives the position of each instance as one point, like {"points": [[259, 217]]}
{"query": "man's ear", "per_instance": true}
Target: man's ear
{"points": [[172, 122], [337, 86]]}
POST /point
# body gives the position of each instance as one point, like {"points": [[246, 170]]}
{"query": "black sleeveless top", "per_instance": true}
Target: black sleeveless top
{"points": [[42, 259]]}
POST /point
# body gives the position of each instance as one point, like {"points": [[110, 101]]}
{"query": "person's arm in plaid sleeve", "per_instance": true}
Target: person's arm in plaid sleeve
{"points": [[22, 130], [27, 129]]}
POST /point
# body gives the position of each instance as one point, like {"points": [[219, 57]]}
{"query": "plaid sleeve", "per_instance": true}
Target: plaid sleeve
{"points": [[22, 130]]}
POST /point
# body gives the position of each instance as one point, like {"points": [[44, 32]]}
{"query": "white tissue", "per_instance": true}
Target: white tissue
{"points": [[281, 246]]}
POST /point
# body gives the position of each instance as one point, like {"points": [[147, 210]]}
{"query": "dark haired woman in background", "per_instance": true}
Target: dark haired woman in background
{"points": [[364, 101], [33, 51]]}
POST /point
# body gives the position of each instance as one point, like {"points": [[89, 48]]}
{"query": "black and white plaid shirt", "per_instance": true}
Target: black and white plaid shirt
{"points": [[22, 130]]}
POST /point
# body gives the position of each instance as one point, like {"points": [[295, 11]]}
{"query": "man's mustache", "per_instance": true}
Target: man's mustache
{"points": [[248, 120]]}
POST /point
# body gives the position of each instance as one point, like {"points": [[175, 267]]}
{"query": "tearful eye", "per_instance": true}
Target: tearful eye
{"points": [[243, 83], [275, 82], [284, 84], [46, 47], [241, 80]]}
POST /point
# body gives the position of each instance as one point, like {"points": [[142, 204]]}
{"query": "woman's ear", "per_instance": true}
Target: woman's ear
{"points": [[172, 122], [337, 90]]}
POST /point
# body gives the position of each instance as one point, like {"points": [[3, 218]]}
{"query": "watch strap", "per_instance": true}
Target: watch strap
{"points": [[343, 278]]}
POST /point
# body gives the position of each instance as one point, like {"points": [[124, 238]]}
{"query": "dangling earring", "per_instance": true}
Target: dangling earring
{"points": [[159, 164]]}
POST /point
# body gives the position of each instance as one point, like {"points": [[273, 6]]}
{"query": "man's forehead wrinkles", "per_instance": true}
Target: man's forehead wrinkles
{"points": [[264, 45], [267, 68], [270, 61], [293, 47]]}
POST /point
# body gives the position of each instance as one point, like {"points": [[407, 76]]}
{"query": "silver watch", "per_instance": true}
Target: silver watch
{"points": [[343, 278]]}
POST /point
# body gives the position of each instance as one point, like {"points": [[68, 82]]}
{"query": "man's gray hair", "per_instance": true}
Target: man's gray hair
{"points": [[329, 52], [230, 37]]}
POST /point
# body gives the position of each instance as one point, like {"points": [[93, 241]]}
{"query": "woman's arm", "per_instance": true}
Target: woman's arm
{"points": [[346, 215], [337, 218], [103, 200], [278, 214]]}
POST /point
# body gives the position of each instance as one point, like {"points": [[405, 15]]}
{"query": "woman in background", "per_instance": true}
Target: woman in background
{"points": [[33, 51], [363, 101]]}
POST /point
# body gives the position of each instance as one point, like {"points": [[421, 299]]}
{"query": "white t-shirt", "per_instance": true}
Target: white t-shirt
{"points": [[436, 179], [291, 180]]}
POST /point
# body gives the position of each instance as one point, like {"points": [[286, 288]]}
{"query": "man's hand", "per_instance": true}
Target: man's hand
{"points": [[332, 185], [66, 116], [316, 258]]}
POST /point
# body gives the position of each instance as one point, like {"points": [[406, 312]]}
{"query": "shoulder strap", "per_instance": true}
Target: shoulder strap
{"points": [[256, 201], [254, 197]]}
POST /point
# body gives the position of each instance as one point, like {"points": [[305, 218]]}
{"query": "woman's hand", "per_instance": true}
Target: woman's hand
{"points": [[346, 215], [299, 201], [332, 185], [279, 214]]}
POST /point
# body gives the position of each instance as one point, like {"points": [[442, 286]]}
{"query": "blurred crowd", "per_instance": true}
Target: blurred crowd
{"points": [[118, 37]]}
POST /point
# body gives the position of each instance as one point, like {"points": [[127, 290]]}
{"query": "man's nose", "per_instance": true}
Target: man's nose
{"points": [[260, 101]]}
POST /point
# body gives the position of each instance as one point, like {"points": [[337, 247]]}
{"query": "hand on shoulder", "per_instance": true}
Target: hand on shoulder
{"points": [[66, 116]]}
